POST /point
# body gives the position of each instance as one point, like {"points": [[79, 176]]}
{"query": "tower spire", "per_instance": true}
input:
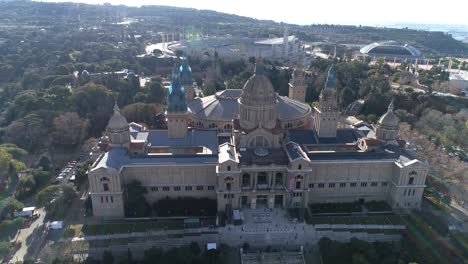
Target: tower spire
{"points": [[330, 83], [116, 106], [390, 106]]}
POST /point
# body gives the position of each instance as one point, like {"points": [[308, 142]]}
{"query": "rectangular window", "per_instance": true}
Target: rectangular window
{"points": [[311, 185], [211, 188], [353, 184], [321, 185], [414, 190], [228, 186], [199, 188], [105, 186], [188, 188], [112, 199], [176, 188], [166, 188], [102, 199], [342, 185], [374, 184], [154, 188], [384, 184], [404, 193], [411, 180], [363, 184], [107, 199], [331, 185]]}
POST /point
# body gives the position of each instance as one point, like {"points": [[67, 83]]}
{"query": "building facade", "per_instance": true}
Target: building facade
{"points": [[258, 161]]}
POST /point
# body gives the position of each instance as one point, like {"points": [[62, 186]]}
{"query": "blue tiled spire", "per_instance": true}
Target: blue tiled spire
{"points": [[176, 96], [185, 73], [330, 83]]}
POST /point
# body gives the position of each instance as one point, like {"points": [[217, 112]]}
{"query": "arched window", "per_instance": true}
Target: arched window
{"points": [[262, 178], [298, 185], [104, 179], [228, 179], [212, 125], [413, 173], [279, 178], [245, 180]]}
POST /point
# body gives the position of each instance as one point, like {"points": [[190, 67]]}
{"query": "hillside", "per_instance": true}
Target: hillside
{"points": [[165, 18]]}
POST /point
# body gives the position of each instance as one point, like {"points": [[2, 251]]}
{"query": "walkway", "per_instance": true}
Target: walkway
{"points": [[25, 233]]}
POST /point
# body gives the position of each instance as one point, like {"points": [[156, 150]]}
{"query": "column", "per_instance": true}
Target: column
{"points": [[253, 203], [270, 178], [274, 181], [255, 181]]}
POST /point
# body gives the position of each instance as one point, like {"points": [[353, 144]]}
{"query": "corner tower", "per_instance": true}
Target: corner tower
{"points": [[327, 113], [387, 127], [176, 108], [297, 86], [118, 129]]}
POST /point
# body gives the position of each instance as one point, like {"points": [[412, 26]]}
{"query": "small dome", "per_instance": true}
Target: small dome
{"points": [[389, 119], [258, 90], [117, 121]]}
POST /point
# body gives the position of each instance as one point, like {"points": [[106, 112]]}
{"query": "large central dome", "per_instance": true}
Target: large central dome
{"points": [[258, 90], [258, 101]]}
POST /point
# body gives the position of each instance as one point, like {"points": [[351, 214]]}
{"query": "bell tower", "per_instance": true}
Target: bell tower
{"points": [[327, 113], [297, 86], [176, 108]]}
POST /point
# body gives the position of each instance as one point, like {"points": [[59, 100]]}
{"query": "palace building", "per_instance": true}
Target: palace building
{"points": [[252, 148]]}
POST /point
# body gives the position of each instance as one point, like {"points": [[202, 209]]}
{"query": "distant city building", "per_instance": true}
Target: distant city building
{"points": [[458, 81], [261, 152], [391, 50], [287, 48]]}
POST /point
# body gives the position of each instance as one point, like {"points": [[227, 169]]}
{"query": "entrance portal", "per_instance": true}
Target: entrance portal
{"points": [[244, 202], [278, 201], [262, 201]]}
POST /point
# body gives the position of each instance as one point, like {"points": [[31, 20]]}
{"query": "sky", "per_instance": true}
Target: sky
{"points": [[365, 12]]}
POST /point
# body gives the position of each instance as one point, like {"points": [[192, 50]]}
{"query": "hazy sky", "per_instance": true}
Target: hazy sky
{"points": [[369, 12]]}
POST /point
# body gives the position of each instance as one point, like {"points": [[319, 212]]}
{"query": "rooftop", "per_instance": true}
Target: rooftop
{"points": [[224, 105], [275, 41]]}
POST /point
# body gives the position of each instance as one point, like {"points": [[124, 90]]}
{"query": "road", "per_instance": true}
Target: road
{"points": [[25, 233]]}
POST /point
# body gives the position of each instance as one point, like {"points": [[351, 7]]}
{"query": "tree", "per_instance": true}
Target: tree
{"points": [[28, 132], [69, 129], [195, 248], [152, 255], [107, 257], [140, 112], [95, 103], [26, 186], [59, 97], [372, 118], [157, 92], [8, 206], [55, 199], [136, 204]]}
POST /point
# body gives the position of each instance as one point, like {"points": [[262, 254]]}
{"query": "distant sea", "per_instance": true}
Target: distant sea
{"points": [[458, 32]]}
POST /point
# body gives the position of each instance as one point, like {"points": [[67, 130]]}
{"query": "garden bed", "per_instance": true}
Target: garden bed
{"points": [[335, 208]]}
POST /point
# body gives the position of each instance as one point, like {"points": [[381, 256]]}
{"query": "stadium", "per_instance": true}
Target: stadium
{"points": [[391, 50]]}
